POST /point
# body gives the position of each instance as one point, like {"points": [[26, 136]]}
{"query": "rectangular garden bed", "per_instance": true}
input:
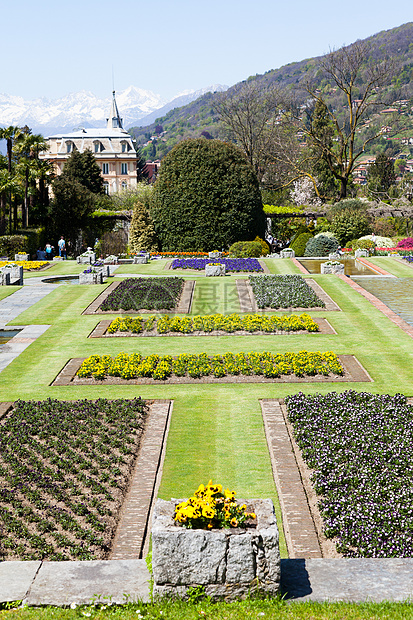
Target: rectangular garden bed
{"points": [[278, 292], [65, 469], [232, 265], [230, 325], [358, 447], [351, 371], [181, 301]]}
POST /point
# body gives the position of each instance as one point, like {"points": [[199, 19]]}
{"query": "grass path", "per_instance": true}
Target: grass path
{"points": [[216, 430]]}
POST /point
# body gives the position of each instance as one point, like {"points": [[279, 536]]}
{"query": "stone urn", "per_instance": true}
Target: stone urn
{"points": [[214, 269], [332, 267], [229, 563], [287, 253]]}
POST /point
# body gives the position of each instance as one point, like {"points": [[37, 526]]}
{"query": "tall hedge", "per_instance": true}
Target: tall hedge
{"points": [[206, 197], [13, 244], [299, 243]]}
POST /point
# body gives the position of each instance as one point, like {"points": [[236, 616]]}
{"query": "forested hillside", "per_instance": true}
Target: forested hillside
{"points": [[200, 117]]}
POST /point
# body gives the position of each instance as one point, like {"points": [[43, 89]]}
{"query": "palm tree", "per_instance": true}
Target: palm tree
{"points": [[10, 134], [28, 147]]}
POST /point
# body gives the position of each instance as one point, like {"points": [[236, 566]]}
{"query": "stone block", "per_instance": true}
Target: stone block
{"points": [[288, 253], [229, 563], [140, 260], [4, 278], [335, 269], [361, 253], [91, 278], [334, 256], [22, 256], [214, 255], [214, 270]]}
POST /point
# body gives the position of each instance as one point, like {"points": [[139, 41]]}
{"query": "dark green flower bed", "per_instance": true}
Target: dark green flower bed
{"points": [[64, 468], [360, 447], [144, 294], [287, 291]]}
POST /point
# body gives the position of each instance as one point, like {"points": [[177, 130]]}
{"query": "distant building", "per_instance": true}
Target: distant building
{"points": [[112, 147]]}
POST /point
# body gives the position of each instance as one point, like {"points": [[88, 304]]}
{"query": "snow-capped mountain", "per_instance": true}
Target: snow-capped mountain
{"points": [[84, 109]]}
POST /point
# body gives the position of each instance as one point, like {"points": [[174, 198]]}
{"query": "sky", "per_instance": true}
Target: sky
{"points": [[53, 48]]}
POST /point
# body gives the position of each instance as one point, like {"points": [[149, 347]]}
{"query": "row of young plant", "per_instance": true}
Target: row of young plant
{"points": [[228, 323], [64, 468], [284, 291], [360, 448], [231, 264], [28, 265], [195, 366], [144, 293]]}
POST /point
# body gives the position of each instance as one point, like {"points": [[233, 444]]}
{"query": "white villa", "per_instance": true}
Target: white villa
{"points": [[113, 148]]}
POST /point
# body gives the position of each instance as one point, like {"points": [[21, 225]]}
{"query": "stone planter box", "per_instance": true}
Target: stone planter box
{"points": [[141, 260], [57, 258], [361, 253], [214, 255], [21, 257], [334, 256], [287, 254], [214, 270], [87, 258], [15, 274], [91, 278], [337, 269], [111, 260], [4, 278], [229, 563]]}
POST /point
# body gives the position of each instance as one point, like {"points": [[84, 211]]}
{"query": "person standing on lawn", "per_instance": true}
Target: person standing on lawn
{"points": [[62, 247]]}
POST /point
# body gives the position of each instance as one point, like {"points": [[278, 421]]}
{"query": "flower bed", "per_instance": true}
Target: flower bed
{"points": [[28, 265], [270, 365], [231, 264], [64, 469], [286, 291], [144, 293], [183, 254], [359, 447], [229, 323]]}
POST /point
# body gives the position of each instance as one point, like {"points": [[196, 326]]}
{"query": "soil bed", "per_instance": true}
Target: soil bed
{"points": [[183, 306], [353, 371], [100, 331], [249, 305]]}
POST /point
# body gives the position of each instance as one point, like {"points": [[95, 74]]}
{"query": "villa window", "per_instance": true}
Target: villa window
{"points": [[106, 187], [69, 147], [124, 168], [105, 168], [124, 147], [124, 185]]}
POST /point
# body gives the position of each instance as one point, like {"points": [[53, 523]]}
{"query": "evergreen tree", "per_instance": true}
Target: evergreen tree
{"points": [[321, 145], [83, 167], [206, 197], [142, 236], [381, 174]]}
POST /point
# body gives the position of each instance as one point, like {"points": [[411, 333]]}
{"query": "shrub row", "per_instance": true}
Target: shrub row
{"points": [[13, 244], [214, 322], [197, 366]]}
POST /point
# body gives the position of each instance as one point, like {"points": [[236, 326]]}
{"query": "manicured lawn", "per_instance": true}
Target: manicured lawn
{"points": [[59, 268], [393, 266], [177, 610], [216, 430], [5, 291]]}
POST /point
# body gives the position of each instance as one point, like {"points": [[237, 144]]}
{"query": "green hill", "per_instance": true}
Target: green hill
{"points": [[199, 116]]}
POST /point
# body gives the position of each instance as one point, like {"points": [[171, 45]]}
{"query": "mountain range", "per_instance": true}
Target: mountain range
{"points": [[84, 109]]}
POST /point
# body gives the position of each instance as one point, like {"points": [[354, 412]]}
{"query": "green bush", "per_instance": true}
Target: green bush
{"points": [[348, 204], [36, 238], [206, 196], [321, 246], [265, 248], [13, 244], [361, 244], [246, 249], [300, 242], [348, 225]]}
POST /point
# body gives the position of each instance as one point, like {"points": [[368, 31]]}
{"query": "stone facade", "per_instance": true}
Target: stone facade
{"points": [[229, 563], [112, 147]]}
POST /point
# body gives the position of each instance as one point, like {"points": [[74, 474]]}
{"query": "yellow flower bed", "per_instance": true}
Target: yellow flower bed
{"points": [[208, 323], [211, 507], [28, 265], [267, 364]]}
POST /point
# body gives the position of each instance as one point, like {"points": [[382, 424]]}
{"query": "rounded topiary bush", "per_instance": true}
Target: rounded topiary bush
{"points": [[361, 244], [246, 249], [321, 246], [299, 244], [265, 248], [206, 196], [348, 225]]}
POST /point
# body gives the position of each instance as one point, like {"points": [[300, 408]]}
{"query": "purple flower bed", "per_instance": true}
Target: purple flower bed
{"points": [[408, 258], [144, 293], [231, 264], [360, 448]]}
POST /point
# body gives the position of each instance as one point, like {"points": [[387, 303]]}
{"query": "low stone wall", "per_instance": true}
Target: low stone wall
{"points": [[228, 563]]}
